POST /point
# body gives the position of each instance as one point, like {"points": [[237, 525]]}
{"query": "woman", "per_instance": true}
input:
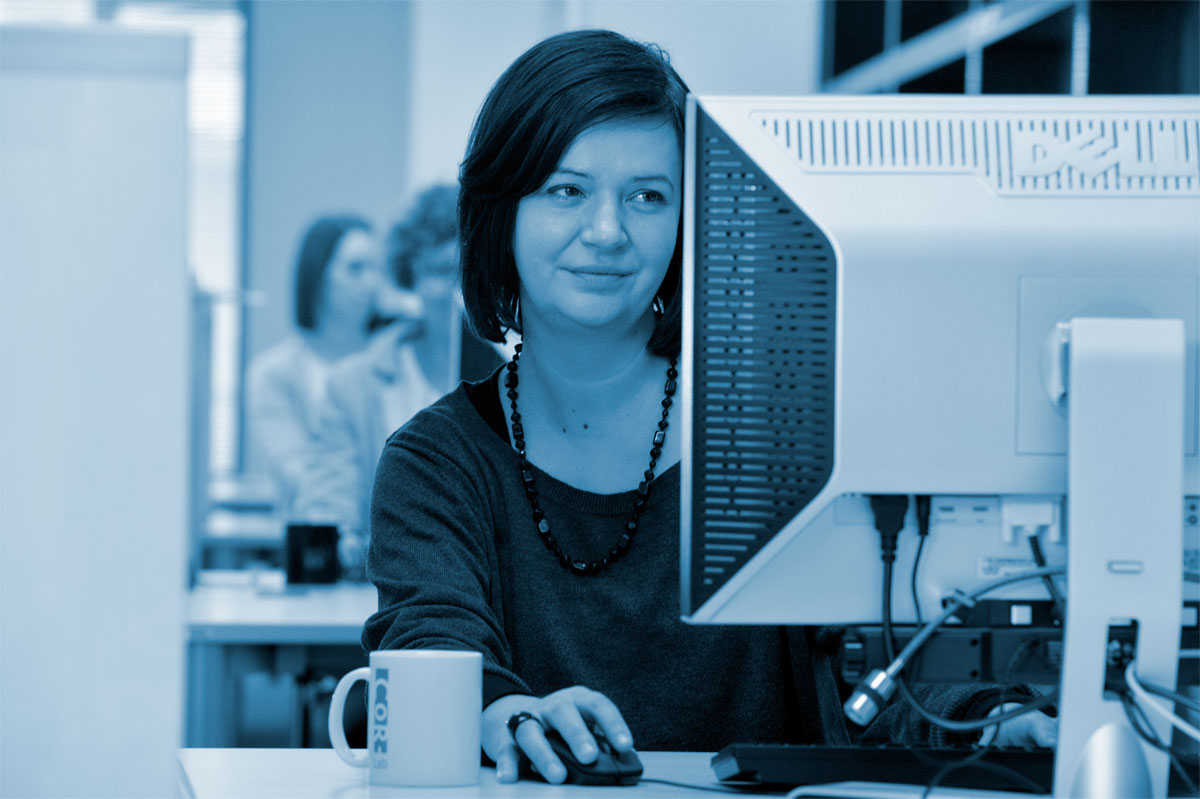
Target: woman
{"points": [[535, 516], [337, 276]]}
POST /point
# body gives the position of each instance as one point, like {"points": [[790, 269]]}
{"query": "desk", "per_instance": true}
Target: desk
{"points": [[242, 621], [319, 774], [312, 773], [230, 538]]}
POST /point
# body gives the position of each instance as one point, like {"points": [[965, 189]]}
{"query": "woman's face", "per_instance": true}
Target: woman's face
{"points": [[353, 277], [592, 245]]}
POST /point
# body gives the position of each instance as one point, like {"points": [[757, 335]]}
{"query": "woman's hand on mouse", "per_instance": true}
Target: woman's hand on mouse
{"points": [[568, 711]]}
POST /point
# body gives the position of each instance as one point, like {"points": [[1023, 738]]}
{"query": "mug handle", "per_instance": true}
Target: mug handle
{"points": [[337, 726]]}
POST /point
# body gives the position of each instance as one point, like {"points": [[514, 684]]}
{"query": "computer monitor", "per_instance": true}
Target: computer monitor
{"points": [[992, 301]]}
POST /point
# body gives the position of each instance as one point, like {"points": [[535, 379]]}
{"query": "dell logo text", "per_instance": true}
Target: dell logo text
{"points": [[1139, 150]]}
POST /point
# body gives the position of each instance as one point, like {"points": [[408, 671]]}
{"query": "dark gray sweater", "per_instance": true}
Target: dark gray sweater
{"points": [[458, 564]]}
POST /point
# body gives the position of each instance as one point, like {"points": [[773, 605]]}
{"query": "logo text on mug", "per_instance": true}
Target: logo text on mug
{"points": [[380, 713]]}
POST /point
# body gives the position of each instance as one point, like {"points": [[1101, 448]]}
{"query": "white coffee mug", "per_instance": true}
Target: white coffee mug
{"points": [[423, 717]]}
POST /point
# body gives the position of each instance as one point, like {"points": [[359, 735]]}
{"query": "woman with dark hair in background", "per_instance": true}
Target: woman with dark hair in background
{"points": [[336, 279], [406, 367], [534, 516]]}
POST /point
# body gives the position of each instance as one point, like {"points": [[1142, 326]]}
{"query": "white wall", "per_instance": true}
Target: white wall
{"points": [[94, 370], [327, 130], [722, 47], [460, 47]]}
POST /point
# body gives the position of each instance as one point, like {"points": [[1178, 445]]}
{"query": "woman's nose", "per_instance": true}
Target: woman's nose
{"points": [[605, 225]]}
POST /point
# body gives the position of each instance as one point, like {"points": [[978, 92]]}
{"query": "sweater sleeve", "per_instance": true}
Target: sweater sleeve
{"points": [[432, 554], [899, 723]]}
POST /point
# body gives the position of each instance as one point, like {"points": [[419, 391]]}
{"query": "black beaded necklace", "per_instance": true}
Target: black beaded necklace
{"points": [[579, 566]]}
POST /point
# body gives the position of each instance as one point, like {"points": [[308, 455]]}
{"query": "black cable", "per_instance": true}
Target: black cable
{"points": [[889, 643], [916, 565], [1129, 706], [1015, 776], [923, 503], [1146, 732], [1039, 558], [1175, 697], [1149, 736], [966, 762], [755, 789], [1026, 708], [1172, 754], [889, 511], [1003, 771], [953, 725]]}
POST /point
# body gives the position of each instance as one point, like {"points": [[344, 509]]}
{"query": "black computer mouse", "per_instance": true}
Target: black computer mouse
{"points": [[610, 767]]}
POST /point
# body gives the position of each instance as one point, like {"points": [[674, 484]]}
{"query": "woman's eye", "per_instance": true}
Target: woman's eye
{"points": [[566, 192], [649, 196]]}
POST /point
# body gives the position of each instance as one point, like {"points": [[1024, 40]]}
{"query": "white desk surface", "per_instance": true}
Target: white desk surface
{"points": [[251, 528], [319, 774], [258, 607]]}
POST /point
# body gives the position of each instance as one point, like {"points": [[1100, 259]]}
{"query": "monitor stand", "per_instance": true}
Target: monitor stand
{"points": [[1125, 390]]}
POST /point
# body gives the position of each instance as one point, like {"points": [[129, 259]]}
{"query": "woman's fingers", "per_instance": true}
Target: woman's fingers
{"points": [[601, 710], [565, 717], [506, 762], [1043, 730], [497, 741], [572, 712], [1032, 729], [532, 740], [579, 714]]}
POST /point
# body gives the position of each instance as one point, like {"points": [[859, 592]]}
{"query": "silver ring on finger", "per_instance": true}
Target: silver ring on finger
{"points": [[517, 719]]}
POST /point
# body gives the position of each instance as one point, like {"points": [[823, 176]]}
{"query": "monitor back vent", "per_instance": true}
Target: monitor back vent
{"points": [[1044, 154], [763, 363]]}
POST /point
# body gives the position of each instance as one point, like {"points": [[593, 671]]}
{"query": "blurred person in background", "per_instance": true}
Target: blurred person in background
{"points": [[406, 367], [338, 273]]}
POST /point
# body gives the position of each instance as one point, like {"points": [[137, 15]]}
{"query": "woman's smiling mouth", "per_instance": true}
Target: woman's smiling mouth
{"points": [[598, 278]]}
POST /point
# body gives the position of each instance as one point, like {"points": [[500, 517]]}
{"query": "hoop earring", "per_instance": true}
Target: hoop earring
{"points": [[658, 307]]}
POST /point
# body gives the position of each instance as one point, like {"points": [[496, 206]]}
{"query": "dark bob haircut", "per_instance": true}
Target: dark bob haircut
{"points": [[316, 250], [556, 90]]}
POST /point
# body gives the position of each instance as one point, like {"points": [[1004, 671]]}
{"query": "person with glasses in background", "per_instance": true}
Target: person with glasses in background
{"points": [[406, 367]]}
